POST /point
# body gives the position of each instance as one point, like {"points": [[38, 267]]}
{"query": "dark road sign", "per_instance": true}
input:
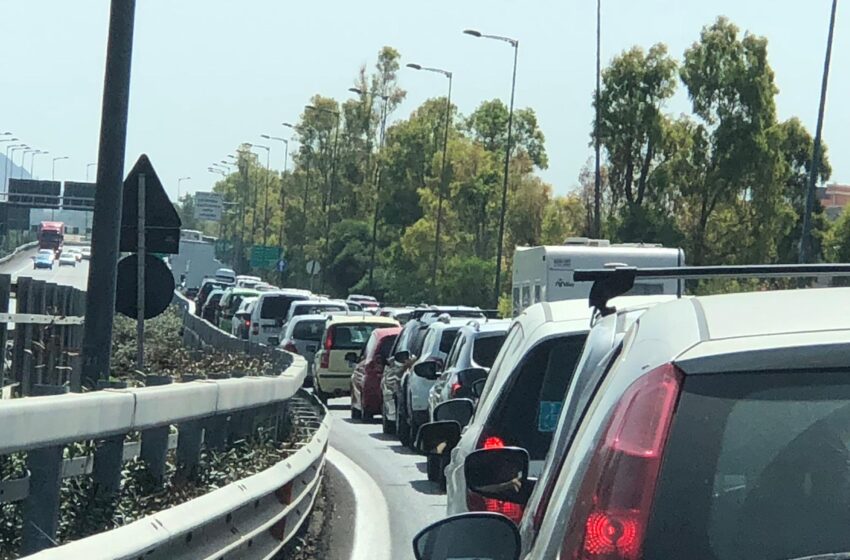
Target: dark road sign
{"points": [[34, 194], [159, 286], [162, 224], [78, 195]]}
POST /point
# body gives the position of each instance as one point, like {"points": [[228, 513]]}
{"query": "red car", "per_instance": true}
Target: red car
{"points": [[366, 397]]}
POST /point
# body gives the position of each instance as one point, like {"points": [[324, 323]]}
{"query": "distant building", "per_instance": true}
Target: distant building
{"points": [[834, 198]]}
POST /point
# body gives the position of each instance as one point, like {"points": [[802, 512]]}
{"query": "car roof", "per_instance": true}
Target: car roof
{"points": [[386, 331], [354, 319], [712, 333]]}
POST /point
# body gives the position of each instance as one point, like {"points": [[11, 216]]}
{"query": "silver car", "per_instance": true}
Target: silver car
{"points": [[302, 336]]}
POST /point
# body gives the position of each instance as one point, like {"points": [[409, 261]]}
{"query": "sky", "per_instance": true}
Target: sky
{"points": [[208, 75]]}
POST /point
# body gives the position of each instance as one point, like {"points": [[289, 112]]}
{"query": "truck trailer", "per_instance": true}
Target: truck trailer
{"points": [[545, 273]]}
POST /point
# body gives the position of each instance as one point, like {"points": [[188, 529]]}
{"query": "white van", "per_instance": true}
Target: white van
{"points": [[545, 273], [245, 281], [270, 312]]}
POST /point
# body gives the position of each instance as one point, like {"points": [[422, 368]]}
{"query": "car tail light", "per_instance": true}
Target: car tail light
{"points": [[488, 441], [247, 323], [476, 502], [612, 508], [325, 362], [456, 387], [289, 347], [329, 340]]}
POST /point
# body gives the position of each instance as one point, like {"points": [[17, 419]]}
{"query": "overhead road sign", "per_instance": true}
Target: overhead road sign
{"points": [[208, 206], [34, 194], [78, 196], [162, 224]]}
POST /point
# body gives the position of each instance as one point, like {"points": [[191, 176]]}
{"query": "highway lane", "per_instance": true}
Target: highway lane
{"points": [[412, 501], [22, 265]]}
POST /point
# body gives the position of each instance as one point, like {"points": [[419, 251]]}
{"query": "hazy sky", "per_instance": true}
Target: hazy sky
{"points": [[209, 74]]}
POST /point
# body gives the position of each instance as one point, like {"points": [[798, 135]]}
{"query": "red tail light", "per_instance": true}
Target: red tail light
{"points": [[455, 389], [329, 340], [490, 442], [247, 323], [325, 362], [289, 347], [613, 504], [476, 502]]}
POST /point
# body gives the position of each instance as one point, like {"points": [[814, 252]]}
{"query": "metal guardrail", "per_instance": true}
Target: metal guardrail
{"points": [[22, 248], [248, 519]]}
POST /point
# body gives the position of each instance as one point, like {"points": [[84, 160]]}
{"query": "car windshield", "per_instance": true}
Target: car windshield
{"points": [[311, 330], [313, 309], [486, 348], [764, 460]]}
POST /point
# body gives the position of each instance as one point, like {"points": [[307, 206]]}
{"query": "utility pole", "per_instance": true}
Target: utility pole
{"points": [[106, 223], [140, 279], [806, 248]]}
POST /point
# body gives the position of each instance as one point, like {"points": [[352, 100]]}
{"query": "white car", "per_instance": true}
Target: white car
{"points": [[524, 392], [313, 307], [269, 313], [67, 259]]}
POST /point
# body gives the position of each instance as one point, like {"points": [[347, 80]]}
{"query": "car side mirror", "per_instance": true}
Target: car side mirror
{"points": [[500, 473], [401, 356], [478, 387], [426, 370], [459, 410], [437, 438], [469, 535], [351, 357]]}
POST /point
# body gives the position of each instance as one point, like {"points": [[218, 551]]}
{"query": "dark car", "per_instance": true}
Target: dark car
{"points": [[211, 309], [207, 286], [366, 397]]}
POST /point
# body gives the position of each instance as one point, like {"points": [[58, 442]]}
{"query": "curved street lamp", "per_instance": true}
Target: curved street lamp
{"points": [[515, 44]]}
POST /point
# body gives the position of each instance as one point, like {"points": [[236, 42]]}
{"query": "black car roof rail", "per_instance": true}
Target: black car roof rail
{"points": [[609, 283]]}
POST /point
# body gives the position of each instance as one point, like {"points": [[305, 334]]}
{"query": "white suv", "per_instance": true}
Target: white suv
{"points": [[269, 313]]}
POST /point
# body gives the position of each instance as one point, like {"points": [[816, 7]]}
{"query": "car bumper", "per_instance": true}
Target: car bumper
{"points": [[371, 397], [334, 383]]}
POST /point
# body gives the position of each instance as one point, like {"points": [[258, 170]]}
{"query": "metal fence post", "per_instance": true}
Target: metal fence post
{"points": [[215, 432], [155, 440], [35, 337], [5, 294], [48, 334], [41, 508], [189, 440], [75, 358], [108, 460], [22, 296]]}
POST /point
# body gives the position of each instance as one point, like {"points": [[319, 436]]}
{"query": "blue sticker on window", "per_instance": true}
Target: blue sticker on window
{"points": [[547, 420]]}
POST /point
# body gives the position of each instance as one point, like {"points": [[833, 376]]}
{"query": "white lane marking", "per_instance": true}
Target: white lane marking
{"points": [[372, 517]]}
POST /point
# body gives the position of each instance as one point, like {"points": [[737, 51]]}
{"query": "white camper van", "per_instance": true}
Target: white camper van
{"points": [[546, 273]]}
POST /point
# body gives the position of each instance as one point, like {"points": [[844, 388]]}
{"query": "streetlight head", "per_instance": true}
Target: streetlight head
{"points": [[414, 66], [311, 107], [472, 32], [266, 136], [358, 91], [288, 125]]}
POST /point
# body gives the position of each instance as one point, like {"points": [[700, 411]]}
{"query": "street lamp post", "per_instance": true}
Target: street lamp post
{"points": [[597, 174], [32, 161], [806, 249], [24, 159], [515, 44], [441, 193], [378, 177], [88, 168], [282, 175], [329, 199], [266, 194], [53, 168], [180, 180], [13, 148]]}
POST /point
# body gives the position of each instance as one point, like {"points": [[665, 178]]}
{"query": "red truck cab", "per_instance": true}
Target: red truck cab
{"points": [[51, 235]]}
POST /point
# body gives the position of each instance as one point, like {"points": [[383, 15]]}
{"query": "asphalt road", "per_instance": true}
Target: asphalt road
{"points": [[412, 501], [21, 265]]}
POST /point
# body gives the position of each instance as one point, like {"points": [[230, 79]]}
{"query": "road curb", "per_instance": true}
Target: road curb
{"points": [[372, 518]]}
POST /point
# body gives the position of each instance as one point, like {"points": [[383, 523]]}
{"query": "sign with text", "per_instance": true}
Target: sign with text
{"points": [[78, 196], [208, 206], [264, 256], [34, 194]]}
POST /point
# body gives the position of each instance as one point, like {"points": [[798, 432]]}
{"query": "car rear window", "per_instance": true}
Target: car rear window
{"points": [[276, 307], [529, 407], [308, 330], [486, 348], [315, 309], [447, 339], [386, 345], [352, 337], [757, 465]]}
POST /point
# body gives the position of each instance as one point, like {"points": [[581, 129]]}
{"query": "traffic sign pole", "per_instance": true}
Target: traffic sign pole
{"points": [[140, 281], [106, 224]]}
